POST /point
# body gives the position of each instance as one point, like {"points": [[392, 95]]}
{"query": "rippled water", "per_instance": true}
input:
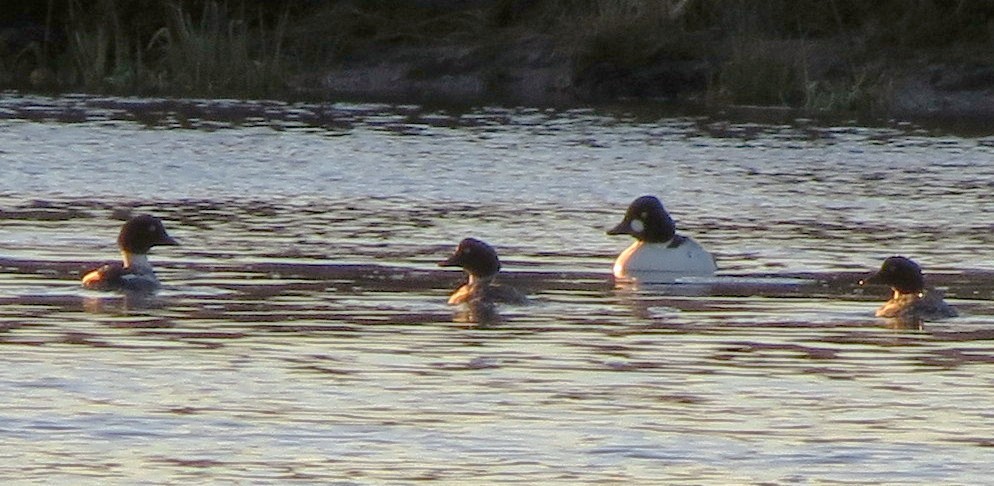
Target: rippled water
{"points": [[302, 333]]}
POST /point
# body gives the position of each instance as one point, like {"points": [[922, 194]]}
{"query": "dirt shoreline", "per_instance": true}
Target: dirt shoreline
{"points": [[529, 71]]}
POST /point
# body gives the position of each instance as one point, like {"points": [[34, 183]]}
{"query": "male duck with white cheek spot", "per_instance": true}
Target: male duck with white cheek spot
{"points": [[657, 247]]}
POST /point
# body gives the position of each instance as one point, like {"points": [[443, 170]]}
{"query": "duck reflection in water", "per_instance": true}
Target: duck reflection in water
{"points": [[123, 303], [479, 296], [911, 304]]}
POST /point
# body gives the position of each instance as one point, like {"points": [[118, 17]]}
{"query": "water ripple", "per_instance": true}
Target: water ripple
{"points": [[302, 333]]}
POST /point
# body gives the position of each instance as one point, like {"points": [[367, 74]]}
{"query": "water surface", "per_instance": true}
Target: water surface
{"points": [[302, 333]]}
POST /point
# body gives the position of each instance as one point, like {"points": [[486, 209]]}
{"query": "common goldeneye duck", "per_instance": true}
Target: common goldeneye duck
{"points": [[910, 299], [479, 261], [657, 247], [135, 273]]}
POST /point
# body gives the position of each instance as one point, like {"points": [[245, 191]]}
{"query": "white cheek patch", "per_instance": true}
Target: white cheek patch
{"points": [[637, 225]]}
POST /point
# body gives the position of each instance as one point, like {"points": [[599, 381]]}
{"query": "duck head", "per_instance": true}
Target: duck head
{"points": [[646, 220], [477, 258], [901, 274], [141, 233]]}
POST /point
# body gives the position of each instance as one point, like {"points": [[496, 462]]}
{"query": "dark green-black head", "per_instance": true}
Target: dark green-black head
{"points": [[646, 220]]}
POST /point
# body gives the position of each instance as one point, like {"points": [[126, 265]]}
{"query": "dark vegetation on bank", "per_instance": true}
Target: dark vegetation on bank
{"points": [[888, 56]]}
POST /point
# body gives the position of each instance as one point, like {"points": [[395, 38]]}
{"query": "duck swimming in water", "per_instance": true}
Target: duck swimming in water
{"points": [[479, 261], [138, 235], [910, 300], [657, 247]]}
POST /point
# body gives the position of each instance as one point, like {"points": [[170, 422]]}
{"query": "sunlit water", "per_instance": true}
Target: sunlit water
{"points": [[302, 333]]}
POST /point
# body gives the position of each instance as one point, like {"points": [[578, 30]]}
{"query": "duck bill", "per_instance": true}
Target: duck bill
{"points": [[623, 228], [167, 240], [872, 279], [452, 261]]}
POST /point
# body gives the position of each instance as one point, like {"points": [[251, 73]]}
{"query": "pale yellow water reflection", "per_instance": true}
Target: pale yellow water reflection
{"points": [[302, 333]]}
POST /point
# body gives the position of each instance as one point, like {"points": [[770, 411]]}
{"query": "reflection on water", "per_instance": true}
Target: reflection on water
{"points": [[302, 333]]}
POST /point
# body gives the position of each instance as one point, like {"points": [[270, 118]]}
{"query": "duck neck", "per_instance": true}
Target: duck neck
{"points": [[480, 280], [136, 262], [898, 294]]}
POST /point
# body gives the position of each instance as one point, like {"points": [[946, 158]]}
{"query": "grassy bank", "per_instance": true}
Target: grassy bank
{"points": [[811, 54], [120, 46]]}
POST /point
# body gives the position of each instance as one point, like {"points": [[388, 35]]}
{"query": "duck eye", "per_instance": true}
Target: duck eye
{"points": [[152, 229]]}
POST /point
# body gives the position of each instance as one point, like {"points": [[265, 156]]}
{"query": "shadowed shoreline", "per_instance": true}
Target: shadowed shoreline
{"points": [[921, 60]]}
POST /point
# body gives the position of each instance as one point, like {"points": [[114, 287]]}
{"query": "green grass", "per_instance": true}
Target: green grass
{"points": [[759, 72], [218, 53], [214, 51]]}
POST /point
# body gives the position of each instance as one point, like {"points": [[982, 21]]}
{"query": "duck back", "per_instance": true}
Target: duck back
{"points": [[928, 306]]}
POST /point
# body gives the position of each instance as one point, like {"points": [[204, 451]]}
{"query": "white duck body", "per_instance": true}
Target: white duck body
{"points": [[679, 256]]}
